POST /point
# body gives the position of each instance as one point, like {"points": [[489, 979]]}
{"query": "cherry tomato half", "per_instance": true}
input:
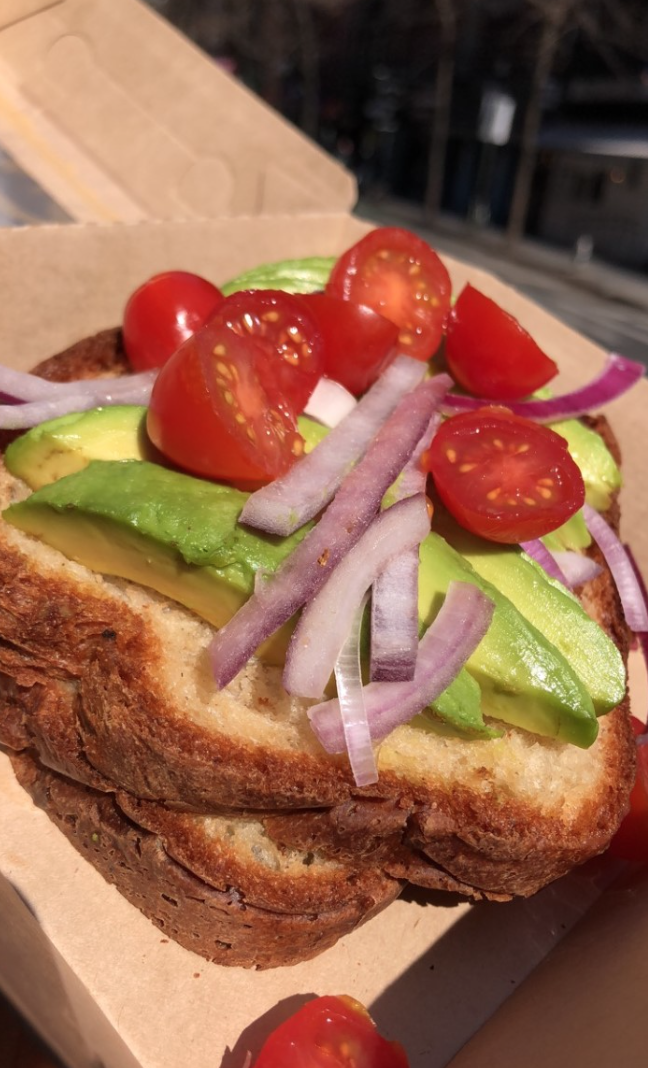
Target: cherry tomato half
{"points": [[503, 477], [631, 840], [281, 325], [330, 1032], [489, 354], [397, 274], [163, 313], [358, 342], [215, 411]]}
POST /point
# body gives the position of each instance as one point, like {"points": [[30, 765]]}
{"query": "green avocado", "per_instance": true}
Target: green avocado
{"points": [[292, 276], [524, 679], [549, 607], [173, 533], [600, 471]]}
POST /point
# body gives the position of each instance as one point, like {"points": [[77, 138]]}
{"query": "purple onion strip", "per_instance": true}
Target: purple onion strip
{"points": [[547, 561], [576, 567], [78, 397], [308, 567], [445, 647], [618, 376], [327, 618], [394, 598], [629, 589], [289, 502], [348, 677]]}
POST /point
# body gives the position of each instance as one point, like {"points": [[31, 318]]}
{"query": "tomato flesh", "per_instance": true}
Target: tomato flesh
{"points": [[489, 353], [162, 313], [398, 275], [359, 343], [281, 325], [503, 477], [330, 1032], [631, 840], [216, 412]]}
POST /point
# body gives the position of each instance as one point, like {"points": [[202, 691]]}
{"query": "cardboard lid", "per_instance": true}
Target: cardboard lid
{"points": [[120, 117]]}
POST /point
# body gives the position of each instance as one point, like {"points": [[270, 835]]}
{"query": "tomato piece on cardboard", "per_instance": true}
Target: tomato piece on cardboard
{"points": [[162, 313], [330, 1032]]}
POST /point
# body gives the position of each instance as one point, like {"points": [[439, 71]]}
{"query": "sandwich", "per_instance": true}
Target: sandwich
{"points": [[218, 811]]}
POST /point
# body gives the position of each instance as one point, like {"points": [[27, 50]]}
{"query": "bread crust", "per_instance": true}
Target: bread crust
{"points": [[84, 662]]}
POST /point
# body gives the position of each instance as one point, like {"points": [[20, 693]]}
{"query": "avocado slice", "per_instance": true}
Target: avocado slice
{"points": [[306, 275], [551, 608], [171, 532], [180, 535], [67, 444], [600, 471], [524, 679]]}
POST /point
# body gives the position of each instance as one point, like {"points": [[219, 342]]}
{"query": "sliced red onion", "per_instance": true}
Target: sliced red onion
{"points": [[454, 635], [78, 396], [308, 567], [24, 386], [329, 403], [394, 597], [617, 377], [576, 567], [348, 677], [631, 595], [325, 621], [539, 552], [289, 502]]}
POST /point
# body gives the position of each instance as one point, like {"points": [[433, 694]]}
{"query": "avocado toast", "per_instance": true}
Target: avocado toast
{"points": [[108, 683]]}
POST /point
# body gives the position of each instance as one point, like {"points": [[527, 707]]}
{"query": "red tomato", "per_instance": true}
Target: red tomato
{"points": [[503, 477], [397, 274], [330, 1032], [489, 354], [216, 412], [163, 313], [281, 325], [631, 840], [358, 342]]}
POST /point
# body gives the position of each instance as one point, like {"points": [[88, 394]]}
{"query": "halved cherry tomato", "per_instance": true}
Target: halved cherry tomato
{"points": [[489, 353], [359, 343], [215, 410], [503, 477], [281, 325], [631, 840], [330, 1032], [397, 274], [164, 312]]}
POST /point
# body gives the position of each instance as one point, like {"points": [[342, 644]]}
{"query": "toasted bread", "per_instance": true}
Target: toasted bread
{"points": [[110, 684]]}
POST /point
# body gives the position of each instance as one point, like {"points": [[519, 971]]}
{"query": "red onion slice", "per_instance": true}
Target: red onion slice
{"points": [[632, 599], [308, 567], [325, 621], [445, 647], [576, 567], [329, 403], [289, 502], [78, 396], [24, 386], [348, 676], [539, 552], [394, 597], [617, 377]]}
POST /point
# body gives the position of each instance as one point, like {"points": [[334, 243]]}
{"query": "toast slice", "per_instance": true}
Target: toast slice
{"points": [[492, 817], [216, 918]]}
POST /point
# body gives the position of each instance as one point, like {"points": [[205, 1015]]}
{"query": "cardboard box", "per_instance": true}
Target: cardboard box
{"points": [[93, 975]]}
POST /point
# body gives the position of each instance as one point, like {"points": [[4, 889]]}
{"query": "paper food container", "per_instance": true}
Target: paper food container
{"points": [[553, 980]]}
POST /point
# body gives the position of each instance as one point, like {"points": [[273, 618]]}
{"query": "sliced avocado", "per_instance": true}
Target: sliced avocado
{"points": [[311, 431], [460, 707], [571, 536], [551, 608], [524, 679], [600, 471], [292, 276], [176, 534], [61, 446]]}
